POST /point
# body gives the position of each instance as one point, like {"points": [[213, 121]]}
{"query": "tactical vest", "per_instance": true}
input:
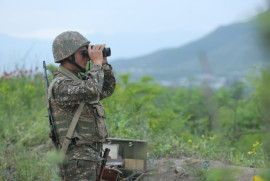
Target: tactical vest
{"points": [[91, 125]]}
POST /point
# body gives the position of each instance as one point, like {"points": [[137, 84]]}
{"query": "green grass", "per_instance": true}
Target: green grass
{"points": [[174, 121]]}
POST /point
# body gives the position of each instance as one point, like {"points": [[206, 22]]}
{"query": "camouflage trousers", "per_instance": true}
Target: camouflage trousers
{"points": [[84, 170]]}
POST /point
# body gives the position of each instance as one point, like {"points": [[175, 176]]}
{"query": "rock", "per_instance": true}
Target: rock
{"points": [[180, 170]]}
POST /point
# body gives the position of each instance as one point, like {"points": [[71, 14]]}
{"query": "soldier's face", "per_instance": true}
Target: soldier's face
{"points": [[80, 59]]}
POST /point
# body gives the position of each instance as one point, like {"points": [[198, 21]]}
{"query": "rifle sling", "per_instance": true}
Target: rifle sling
{"points": [[71, 128], [76, 116], [66, 72]]}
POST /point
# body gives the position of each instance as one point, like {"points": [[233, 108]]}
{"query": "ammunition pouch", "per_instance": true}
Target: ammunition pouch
{"points": [[101, 128]]}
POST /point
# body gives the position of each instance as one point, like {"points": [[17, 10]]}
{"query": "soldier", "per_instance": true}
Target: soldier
{"points": [[78, 116]]}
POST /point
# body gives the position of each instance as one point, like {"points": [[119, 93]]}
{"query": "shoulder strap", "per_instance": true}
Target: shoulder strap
{"points": [[76, 116], [67, 73], [71, 128]]}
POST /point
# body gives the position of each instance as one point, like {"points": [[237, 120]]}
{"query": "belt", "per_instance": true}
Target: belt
{"points": [[97, 146]]}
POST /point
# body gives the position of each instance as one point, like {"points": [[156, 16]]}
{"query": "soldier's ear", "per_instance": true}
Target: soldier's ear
{"points": [[65, 60], [69, 58]]}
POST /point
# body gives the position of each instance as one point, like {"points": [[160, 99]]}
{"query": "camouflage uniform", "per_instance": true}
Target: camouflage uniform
{"points": [[83, 156]]}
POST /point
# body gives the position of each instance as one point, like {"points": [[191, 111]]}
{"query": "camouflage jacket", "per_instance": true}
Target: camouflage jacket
{"points": [[67, 94]]}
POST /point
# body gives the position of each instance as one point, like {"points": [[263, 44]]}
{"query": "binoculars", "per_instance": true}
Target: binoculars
{"points": [[106, 52]]}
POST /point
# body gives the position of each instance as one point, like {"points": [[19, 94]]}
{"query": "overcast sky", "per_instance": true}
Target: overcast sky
{"points": [[46, 19], [129, 27]]}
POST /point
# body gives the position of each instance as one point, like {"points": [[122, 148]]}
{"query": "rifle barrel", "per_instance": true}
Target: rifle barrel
{"points": [[52, 133]]}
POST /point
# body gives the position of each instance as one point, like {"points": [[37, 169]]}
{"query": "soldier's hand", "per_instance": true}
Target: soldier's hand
{"points": [[96, 54]]}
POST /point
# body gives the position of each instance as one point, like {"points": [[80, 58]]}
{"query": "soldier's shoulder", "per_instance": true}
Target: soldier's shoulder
{"points": [[61, 79], [57, 74], [58, 78]]}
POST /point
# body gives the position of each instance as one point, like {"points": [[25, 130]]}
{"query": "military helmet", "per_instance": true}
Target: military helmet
{"points": [[66, 44]]}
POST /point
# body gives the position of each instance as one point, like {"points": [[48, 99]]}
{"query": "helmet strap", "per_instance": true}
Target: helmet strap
{"points": [[72, 61]]}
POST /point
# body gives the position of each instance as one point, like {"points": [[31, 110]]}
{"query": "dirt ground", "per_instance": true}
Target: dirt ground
{"points": [[187, 169]]}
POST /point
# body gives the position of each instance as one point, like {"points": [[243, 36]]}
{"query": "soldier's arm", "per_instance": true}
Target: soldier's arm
{"points": [[109, 82], [68, 91]]}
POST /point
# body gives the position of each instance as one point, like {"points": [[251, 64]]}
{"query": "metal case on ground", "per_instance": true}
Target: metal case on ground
{"points": [[128, 157]]}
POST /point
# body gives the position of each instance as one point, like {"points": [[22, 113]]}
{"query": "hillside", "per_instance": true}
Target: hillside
{"points": [[227, 51]]}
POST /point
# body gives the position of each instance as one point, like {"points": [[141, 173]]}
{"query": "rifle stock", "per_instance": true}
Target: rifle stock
{"points": [[105, 158]]}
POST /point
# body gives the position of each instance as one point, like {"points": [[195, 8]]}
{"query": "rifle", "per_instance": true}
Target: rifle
{"points": [[105, 158], [52, 133]]}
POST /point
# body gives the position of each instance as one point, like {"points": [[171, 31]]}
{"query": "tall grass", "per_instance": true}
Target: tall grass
{"points": [[175, 121]]}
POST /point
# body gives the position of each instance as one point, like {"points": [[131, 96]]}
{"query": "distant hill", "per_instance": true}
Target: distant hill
{"points": [[227, 51]]}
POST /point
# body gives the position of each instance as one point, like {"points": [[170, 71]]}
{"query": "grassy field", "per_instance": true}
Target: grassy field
{"points": [[228, 124]]}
